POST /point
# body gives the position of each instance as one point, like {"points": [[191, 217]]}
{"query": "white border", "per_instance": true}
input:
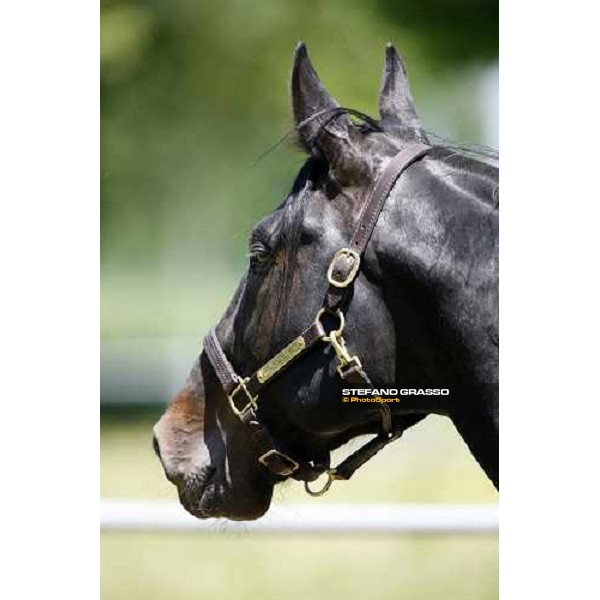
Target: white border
{"points": [[49, 248], [549, 300]]}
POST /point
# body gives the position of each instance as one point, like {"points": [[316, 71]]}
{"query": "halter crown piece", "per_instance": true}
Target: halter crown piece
{"points": [[243, 392]]}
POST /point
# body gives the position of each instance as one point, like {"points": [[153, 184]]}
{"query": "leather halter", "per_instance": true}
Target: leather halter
{"points": [[243, 392]]}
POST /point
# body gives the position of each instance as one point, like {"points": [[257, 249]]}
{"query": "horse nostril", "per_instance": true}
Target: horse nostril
{"points": [[156, 446]]}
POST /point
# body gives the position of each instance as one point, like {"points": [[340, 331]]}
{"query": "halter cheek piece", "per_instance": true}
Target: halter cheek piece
{"points": [[243, 392]]}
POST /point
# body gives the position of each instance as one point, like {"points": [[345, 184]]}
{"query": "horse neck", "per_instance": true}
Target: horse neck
{"points": [[438, 255]]}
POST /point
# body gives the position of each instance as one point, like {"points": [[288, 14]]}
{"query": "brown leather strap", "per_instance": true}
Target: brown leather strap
{"points": [[344, 263], [225, 372], [269, 455], [347, 467], [382, 189]]}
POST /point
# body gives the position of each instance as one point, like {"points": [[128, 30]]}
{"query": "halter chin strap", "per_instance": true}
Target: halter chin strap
{"points": [[243, 392]]}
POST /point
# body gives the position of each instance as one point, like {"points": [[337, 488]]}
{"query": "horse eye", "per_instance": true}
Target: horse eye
{"points": [[259, 254]]}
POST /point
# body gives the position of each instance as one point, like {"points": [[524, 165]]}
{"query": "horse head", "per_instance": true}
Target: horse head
{"points": [[422, 307]]}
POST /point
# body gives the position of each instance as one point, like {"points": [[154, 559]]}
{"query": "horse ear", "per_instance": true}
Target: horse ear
{"points": [[395, 100], [314, 108]]}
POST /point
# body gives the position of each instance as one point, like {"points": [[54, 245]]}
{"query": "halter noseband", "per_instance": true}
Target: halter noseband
{"points": [[243, 392]]}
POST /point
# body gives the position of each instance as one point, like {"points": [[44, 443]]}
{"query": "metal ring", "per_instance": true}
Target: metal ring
{"points": [[325, 488], [339, 314]]}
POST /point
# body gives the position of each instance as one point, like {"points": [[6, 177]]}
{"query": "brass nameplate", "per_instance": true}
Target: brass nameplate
{"points": [[281, 359]]}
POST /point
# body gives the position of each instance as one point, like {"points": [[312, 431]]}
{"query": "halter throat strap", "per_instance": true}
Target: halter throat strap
{"points": [[243, 392]]}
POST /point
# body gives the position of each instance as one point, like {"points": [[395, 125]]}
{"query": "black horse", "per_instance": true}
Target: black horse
{"points": [[421, 311]]}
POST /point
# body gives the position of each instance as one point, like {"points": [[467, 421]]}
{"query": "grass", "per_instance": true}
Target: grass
{"points": [[430, 464], [236, 567]]}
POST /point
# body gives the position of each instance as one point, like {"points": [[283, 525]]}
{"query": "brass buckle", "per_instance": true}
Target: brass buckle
{"points": [[251, 399], [293, 465], [353, 271]]}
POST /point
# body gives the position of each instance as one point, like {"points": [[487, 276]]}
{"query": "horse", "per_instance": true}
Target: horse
{"points": [[413, 305]]}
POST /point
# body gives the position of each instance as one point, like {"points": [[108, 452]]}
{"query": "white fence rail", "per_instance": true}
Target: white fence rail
{"points": [[155, 515]]}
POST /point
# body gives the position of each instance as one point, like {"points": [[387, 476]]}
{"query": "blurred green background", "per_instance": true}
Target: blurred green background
{"points": [[193, 93]]}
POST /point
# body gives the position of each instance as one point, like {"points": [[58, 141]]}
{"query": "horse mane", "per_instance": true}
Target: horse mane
{"points": [[478, 152], [479, 157]]}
